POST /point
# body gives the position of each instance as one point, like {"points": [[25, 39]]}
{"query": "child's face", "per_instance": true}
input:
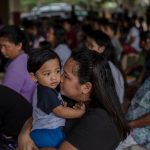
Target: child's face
{"points": [[49, 74], [92, 45]]}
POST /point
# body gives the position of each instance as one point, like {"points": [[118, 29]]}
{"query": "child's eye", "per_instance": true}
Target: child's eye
{"points": [[46, 74], [58, 71]]}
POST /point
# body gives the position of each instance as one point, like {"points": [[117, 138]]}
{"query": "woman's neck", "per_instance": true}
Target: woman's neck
{"points": [[18, 54]]}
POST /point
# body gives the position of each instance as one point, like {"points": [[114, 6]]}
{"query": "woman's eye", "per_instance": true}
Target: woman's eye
{"points": [[65, 76]]}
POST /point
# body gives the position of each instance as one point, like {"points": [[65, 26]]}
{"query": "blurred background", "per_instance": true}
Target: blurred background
{"points": [[117, 18], [12, 11]]}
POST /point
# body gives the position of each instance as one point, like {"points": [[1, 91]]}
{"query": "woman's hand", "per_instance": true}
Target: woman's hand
{"points": [[24, 140], [26, 143]]}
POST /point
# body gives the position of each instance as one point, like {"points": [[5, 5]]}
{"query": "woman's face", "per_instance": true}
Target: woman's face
{"points": [[51, 36], [70, 85], [9, 49]]}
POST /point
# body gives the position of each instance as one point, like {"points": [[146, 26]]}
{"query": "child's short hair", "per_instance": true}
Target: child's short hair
{"points": [[38, 57]]}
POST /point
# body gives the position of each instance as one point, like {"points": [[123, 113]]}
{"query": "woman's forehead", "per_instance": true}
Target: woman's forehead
{"points": [[71, 66]]}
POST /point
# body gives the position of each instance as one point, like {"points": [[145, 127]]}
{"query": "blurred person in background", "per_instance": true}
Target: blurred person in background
{"points": [[57, 38], [100, 42], [13, 45]]}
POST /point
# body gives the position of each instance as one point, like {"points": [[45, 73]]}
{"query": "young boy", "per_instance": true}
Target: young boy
{"points": [[49, 109]]}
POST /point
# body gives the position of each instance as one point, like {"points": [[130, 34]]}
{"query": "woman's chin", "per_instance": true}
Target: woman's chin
{"points": [[61, 91]]}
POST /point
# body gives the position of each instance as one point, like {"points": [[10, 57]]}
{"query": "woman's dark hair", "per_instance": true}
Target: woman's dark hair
{"points": [[59, 33], [15, 35], [38, 57], [94, 68], [45, 44]]}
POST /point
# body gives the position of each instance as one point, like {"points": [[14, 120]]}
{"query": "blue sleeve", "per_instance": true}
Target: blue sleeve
{"points": [[47, 99]]}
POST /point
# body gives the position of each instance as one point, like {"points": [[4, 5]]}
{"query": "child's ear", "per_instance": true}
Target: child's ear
{"points": [[33, 77], [86, 88]]}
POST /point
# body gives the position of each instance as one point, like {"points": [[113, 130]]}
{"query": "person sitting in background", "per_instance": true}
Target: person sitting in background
{"points": [[138, 117], [100, 42], [14, 111], [13, 46], [71, 34], [57, 38], [145, 44], [34, 29], [132, 43], [111, 29]]}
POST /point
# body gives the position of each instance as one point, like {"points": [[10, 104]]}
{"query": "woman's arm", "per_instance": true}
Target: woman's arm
{"points": [[140, 122], [24, 140], [26, 143], [67, 146], [64, 146]]}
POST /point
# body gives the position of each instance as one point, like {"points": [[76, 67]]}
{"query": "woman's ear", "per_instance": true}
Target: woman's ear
{"points": [[86, 88], [33, 77], [19, 46]]}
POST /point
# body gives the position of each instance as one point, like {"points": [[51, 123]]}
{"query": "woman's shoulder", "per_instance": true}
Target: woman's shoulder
{"points": [[95, 130], [114, 69], [23, 56], [98, 114], [20, 60], [62, 47], [18, 65]]}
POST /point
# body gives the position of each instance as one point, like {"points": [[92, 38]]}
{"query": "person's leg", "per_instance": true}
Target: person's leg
{"points": [[47, 137]]}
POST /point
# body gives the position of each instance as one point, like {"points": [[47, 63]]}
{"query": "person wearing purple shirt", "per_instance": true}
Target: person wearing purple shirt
{"points": [[12, 43]]}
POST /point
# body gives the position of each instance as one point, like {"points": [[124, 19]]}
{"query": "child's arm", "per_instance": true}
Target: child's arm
{"points": [[68, 112]]}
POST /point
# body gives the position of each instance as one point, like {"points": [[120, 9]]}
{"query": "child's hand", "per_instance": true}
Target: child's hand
{"points": [[65, 104], [79, 106]]}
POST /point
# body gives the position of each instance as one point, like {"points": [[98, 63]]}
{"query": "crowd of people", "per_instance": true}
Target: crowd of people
{"points": [[75, 85]]}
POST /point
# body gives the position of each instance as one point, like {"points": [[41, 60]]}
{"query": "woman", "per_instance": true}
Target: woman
{"points": [[13, 45], [56, 37], [87, 79]]}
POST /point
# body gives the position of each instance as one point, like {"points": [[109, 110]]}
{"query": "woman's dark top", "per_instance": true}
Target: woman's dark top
{"points": [[96, 130]]}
